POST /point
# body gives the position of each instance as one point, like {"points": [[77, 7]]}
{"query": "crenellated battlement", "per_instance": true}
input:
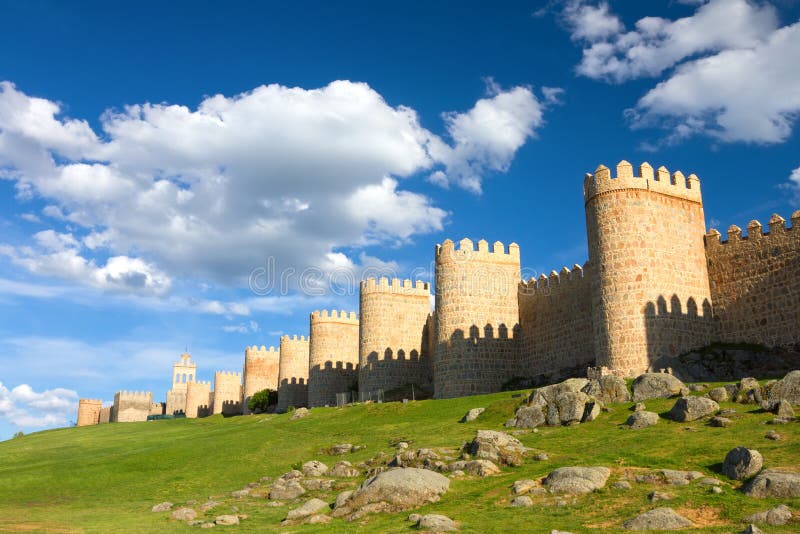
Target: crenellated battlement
{"points": [[133, 395], [466, 251], [657, 181], [395, 285], [293, 337], [334, 316], [90, 401], [755, 231], [202, 383], [230, 374], [256, 351], [546, 285]]}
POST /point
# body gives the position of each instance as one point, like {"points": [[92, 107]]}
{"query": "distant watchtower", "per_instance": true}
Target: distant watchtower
{"points": [[646, 248], [183, 372]]}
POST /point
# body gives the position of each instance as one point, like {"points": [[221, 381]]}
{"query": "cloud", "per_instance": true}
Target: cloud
{"points": [[486, 137], [730, 69], [23, 407], [590, 22], [794, 184], [750, 95], [168, 193], [242, 328]]}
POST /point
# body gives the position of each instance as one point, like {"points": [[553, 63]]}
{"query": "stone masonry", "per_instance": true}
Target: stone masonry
{"points": [[131, 406], [293, 373], [333, 356], [227, 393], [260, 372], [89, 411], [393, 339]]}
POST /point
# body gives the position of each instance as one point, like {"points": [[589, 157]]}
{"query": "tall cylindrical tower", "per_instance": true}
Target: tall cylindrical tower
{"points": [[393, 349], [477, 314], [198, 399], [293, 373], [260, 372], [333, 356], [227, 393], [646, 247]]}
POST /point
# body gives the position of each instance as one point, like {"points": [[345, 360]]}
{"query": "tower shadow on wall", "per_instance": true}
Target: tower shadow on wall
{"points": [[674, 328], [333, 377], [295, 390], [487, 357], [400, 368]]}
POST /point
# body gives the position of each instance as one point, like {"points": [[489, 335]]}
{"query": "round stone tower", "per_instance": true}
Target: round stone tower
{"points": [[89, 411], [260, 372], [293, 373], [477, 314], [646, 247], [393, 343], [333, 356]]}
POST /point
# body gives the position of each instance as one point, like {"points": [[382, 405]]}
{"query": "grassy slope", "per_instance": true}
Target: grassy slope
{"points": [[103, 478]]}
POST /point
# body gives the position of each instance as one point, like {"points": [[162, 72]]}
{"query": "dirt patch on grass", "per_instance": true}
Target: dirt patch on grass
{"points": [[38, 526], [704, 516]]}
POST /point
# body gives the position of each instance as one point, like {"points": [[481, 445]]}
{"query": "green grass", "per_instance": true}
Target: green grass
{"points": [[106, 478]]}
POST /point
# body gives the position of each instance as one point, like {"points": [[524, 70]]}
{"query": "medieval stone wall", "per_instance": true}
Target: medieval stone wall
{"points": [[198, 400], [556, 323], [476, 317], [176, 401], [131, 406], [394, 345], [293, 373], [227, 393], [755, 282], [333, 356], [105, 415], [260, 372], [645, 243], [89, 412]]}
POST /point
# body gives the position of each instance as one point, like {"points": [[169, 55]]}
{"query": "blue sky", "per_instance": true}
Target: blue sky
{"points": [[152, 155]]}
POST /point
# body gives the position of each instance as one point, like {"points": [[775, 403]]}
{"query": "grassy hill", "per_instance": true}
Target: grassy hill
{"points": [[106, 478]]}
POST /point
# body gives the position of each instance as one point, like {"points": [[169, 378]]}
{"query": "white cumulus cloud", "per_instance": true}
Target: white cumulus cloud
{"points": [[25, 408], [168, 192]]}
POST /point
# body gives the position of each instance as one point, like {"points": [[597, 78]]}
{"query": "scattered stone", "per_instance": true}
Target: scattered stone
{"points": [[657, 519], [656, 496], [541, 457], [402, 445], [318, 519], [642, 419], [548, 394], [639, 407], [649, 478], [780, 515], [314, 468], [522, 501], [774, 436], [716, 489], [779, 421], [741, 463], [208, 525], [523, 486], [784, 409], [472, 415], [162, 507], [528, 417], [497, 447], [692, 408], [592, 410], [622, 485], [184, 514], [787, 388], [720, 422], [291, 475], [657, 386], [395, 490], [458, 473], [577, 480], [559, 532], [414, 518], [310, 507], [227, 520], [608, 389], [342, 498], [752, 529], [437, 523], [749, 391], [209, 505], [774, 483], [719, 394], [341, 448], [344, 469], [299, 413], [727, 411], [480, 468], [286, 490], [680, 478], [698, 387], [708, 481], [240, 493], [318, 484]]}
